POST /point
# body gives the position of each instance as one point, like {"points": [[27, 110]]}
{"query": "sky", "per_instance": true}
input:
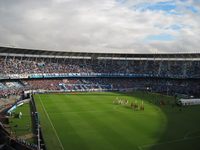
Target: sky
{"points": [[119, 26]]}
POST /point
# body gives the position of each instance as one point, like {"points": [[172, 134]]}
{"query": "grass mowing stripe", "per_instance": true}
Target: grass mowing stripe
{"points": [[92, 122], [84, 111], [89, 121], [109, 129], [51, 124]]}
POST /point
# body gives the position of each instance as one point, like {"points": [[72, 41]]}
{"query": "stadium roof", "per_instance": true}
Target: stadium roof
{"points": [[10, 51]]}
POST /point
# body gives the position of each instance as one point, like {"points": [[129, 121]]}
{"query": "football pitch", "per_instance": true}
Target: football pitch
{"points": [[90, 121]]}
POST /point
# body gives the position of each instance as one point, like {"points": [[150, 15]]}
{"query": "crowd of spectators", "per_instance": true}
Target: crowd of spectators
{"points": [[167, 86], [28, 65], [161, 68], [42, 84], [8, 88]]}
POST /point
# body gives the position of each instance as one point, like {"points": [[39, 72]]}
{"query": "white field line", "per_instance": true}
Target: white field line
{"points": [[168, 142], [51, 124]]}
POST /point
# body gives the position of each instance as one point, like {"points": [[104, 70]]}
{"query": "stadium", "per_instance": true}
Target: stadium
{"points": [[73, 100], [100, 75]]}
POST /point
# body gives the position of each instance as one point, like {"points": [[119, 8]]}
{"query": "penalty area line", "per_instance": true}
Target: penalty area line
{"points": [[51, 124]]}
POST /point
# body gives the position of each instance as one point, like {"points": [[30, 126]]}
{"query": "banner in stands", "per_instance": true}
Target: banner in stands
{"points": [[12, 108], [61, 75], [2, 76], [17, 76]]}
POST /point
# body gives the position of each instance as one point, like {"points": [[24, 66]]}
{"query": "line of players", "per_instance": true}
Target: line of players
{"points": [[132, 105]]}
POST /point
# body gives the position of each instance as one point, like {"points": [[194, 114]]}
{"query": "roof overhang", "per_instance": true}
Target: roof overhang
{"points": [[12, 51]]}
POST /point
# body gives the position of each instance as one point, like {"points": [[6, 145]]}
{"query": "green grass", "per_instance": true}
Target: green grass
{"points": [[90, 121], [21, 126]]}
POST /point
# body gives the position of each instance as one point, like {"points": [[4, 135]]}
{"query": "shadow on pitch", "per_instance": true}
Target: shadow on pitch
{"points": [[183, 123]]}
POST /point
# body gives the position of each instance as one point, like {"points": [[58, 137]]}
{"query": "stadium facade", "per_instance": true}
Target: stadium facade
{"points": [[26, 70], [165, 73]]}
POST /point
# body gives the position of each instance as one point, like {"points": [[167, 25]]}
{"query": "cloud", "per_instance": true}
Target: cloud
{"points": [[101, 26]]}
